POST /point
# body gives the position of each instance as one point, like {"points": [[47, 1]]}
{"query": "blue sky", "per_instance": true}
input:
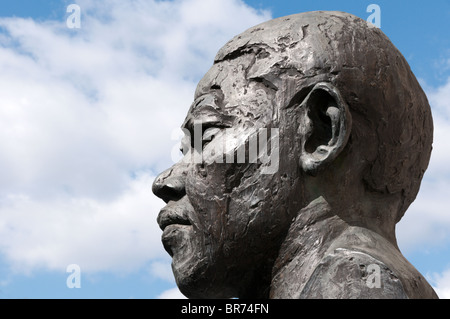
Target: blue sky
{"points": [[79, 112]]}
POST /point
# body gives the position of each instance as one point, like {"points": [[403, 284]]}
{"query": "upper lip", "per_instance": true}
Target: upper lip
{"points": [[169, 216]]}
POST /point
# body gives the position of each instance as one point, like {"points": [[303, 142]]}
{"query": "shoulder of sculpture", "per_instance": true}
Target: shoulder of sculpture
{"points": [[352, 274]]}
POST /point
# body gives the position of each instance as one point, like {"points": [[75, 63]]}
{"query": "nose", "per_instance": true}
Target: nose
{"points": [[169, 186]]}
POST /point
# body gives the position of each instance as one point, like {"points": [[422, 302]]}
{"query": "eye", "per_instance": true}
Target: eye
{"points": [[209, 134]]}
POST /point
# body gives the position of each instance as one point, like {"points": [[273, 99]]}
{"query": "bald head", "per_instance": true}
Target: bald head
{"points": [[392, 129]]}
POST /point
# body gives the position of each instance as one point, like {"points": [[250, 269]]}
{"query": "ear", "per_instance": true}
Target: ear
{"points": [[325, 125]]}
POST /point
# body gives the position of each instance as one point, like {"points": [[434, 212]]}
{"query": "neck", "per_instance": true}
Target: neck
{"points": [[306, 242]]}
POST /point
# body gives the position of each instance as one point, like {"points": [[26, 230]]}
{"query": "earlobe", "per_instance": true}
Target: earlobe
{"points": [[328, 125]]}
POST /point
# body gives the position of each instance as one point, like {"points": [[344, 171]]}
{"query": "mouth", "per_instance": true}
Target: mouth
{"points": [[170, 215], [171, 223], [176, 226]]}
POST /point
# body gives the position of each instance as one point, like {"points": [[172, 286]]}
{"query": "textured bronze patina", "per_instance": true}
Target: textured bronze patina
{"points": [[355, 136]]}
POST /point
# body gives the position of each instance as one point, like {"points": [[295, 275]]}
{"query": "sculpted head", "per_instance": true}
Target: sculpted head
{"points": [[353, 127]]}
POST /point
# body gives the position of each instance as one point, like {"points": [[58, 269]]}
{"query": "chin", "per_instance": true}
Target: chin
{"points": [[190, 279], [196, 277], [189, 266]]}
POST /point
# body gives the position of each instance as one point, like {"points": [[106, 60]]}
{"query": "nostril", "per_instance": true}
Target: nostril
{"points": [[169, 189], [167, 193]]}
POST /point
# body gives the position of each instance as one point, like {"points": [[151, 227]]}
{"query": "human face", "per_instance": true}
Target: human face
{"points": [[224, 221]]}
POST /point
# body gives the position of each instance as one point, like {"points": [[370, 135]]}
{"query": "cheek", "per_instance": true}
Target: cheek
{"points": [[233, 201], [207, 191], [261, 214], [221, 198]]}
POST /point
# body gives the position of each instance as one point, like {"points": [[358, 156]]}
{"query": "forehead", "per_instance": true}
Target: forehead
{"points": [[268, 58], [225, 89], [232, 90], [255, 84], [226, 76], [263, 53]]}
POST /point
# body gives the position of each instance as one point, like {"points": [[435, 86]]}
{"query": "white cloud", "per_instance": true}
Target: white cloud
{"points": [[118, 235], [85, 123], [441, 284], [173, 293], [162, 270], [439, 99]]}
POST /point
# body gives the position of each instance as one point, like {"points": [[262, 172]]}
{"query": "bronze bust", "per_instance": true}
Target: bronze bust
{"points": [[353, 139]]}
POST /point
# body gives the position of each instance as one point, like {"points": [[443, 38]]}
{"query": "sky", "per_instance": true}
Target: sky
{"points": [[89, 116]]}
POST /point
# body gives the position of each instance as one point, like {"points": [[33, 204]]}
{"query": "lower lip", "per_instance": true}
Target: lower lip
{"points": [[172, 227]]}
